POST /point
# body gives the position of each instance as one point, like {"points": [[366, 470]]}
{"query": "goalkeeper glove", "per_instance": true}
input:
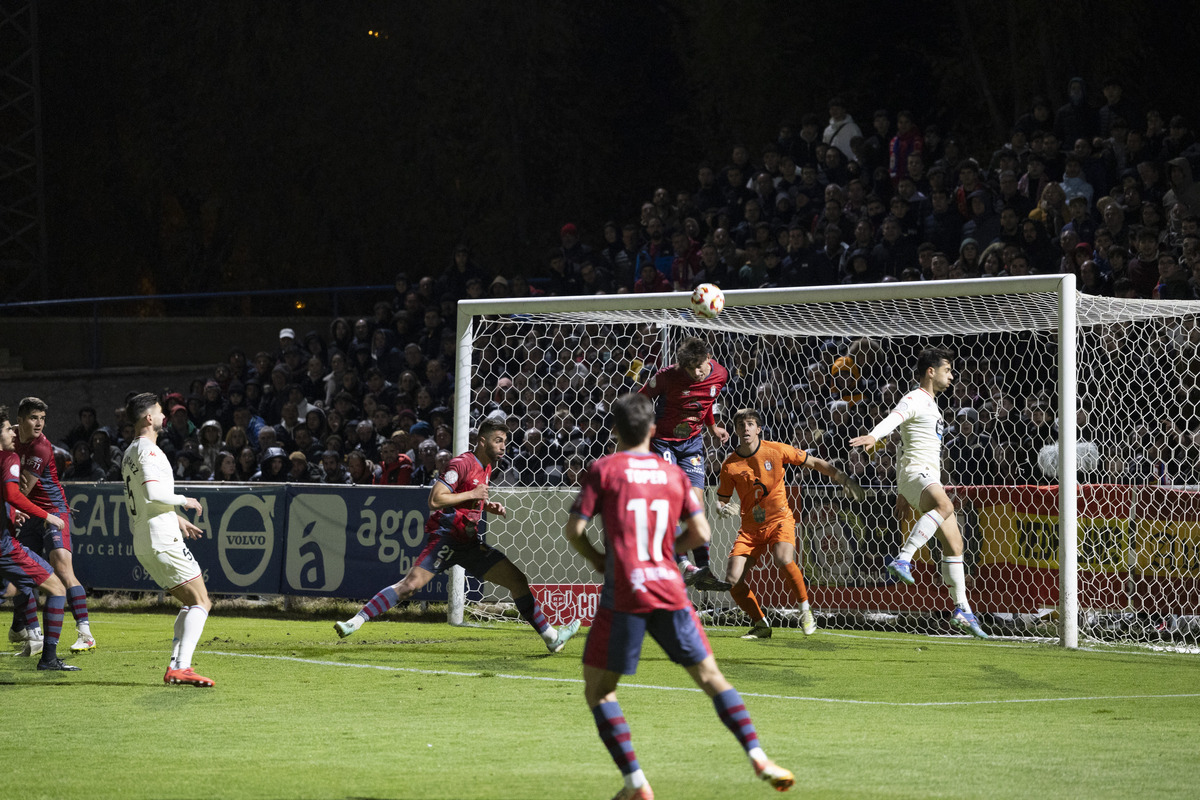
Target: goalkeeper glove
{"points": [[727, 510], [853, 489]]}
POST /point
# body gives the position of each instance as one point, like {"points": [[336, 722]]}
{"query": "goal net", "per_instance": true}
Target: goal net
{"points": [[1069, 447]]}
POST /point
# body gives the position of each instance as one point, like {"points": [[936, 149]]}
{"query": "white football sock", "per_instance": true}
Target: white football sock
{"points": [[178, 640], [193, 627], [926, 527], [955, 577]]}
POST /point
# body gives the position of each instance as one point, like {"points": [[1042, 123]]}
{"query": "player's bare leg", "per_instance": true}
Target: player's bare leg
{"points": [[733, 713], [743, 595], [189, 626], [507, 575], [60, 559], [403, 589]]}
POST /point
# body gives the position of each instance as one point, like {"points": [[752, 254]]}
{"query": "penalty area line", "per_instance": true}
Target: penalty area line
{"points": [[833, 700]]}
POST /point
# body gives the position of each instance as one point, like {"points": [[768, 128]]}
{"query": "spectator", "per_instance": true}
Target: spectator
{"points": [[226, 470], [211, 443], [247, 463], [83, 431], [274, 467], [299, 470], [395, 468], [82, 468], [841, 128], [651, 280], [426, 469], [332, 470]]}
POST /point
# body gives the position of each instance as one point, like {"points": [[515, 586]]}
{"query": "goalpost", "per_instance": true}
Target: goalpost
{"points": [[1068, 445]]}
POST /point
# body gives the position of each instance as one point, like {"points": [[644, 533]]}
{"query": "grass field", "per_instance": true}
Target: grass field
{"points": [[424, 710]]}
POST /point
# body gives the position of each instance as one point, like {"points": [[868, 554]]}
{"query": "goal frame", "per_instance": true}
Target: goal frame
{"points": [[1062, 285]]}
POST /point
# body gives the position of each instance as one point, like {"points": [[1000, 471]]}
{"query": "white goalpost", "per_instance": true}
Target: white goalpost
{"points": [[1067, 447]]}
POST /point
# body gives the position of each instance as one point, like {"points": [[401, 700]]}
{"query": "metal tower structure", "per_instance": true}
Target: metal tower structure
{"points": [[23, 270]]}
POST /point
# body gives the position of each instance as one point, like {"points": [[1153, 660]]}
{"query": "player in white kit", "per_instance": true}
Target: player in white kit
{"points": [[919, 479], [159, 533]]}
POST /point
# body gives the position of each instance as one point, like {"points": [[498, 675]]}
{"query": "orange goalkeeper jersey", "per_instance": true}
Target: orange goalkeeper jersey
{"points": [[759, 482]]}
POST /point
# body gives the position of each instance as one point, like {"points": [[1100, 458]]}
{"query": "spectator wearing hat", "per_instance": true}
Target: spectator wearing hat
{"points": [[177, 429], [462, 268], [299, 470], [498, 288], [573, 250], [287, 338]]}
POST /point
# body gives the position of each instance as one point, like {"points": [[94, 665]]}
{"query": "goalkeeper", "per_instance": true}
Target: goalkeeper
{"points": [[755, 470], [919, 479]]}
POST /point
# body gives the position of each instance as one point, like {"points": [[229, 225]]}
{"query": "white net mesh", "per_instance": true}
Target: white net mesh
{"points": [[555, 375]]}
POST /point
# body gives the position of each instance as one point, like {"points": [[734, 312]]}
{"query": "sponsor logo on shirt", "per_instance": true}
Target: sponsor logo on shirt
{"points": [[641, 575]]}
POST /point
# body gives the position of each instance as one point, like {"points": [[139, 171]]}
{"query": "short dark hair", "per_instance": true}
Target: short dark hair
{"points": [[932, 358], [747, 413], [490, 426], [633, 414], [29, 405], [3, 415], [139, 404], [692, 350]]}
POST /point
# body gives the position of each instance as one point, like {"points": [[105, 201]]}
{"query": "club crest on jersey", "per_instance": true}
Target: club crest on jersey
{"points": [[767, 466], [712, 391], [695, 461]]}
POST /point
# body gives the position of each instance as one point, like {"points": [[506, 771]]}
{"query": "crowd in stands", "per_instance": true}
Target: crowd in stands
{"points": [[1102, 191]]}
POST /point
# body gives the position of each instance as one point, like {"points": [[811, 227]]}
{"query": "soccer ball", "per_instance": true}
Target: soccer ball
{"points": [[707, 300]]}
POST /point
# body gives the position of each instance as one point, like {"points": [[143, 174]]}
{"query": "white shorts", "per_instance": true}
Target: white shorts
{"points": [[170, 568], [911, 483]]}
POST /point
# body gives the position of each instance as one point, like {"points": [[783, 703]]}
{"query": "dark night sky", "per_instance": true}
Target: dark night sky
{"points": [[200, 147]]}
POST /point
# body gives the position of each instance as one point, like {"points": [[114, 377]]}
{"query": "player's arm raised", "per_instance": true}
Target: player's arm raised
{"points": [[849, 485], [574, 531]]}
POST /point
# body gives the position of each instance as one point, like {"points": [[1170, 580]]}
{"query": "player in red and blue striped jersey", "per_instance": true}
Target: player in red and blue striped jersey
{"points": [[684, 395], [457, 528], [641, 500], [39, 482], [27, 571]]}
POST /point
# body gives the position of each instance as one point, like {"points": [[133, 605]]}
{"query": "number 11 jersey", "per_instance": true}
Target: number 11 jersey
{"points": [[640, 498]]}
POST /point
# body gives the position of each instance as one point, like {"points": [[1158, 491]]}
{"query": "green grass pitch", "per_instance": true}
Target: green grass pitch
{"points": [[425, 710]]}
